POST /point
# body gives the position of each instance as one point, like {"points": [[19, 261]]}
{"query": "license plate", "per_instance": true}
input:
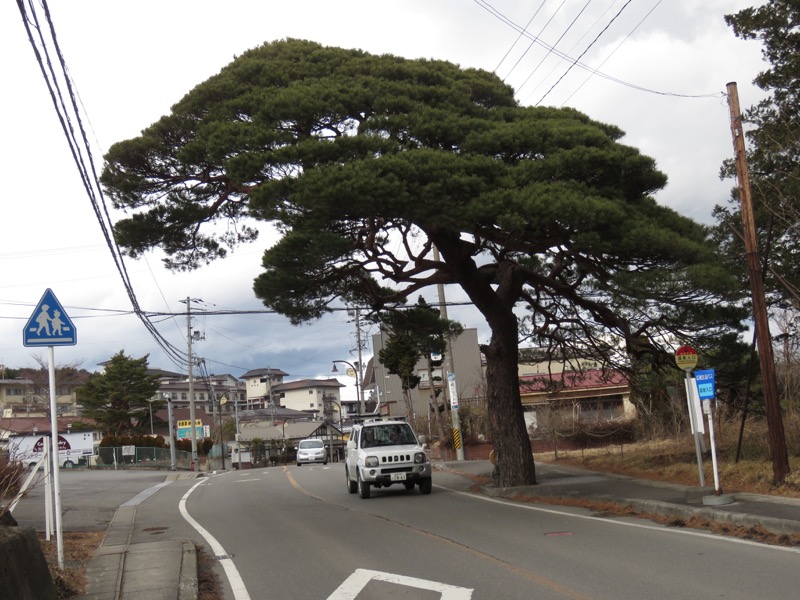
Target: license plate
{"points": [[398, 476]]}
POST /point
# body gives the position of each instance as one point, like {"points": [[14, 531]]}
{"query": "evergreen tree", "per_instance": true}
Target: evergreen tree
{"points": [[118, 398], [387, 175]]}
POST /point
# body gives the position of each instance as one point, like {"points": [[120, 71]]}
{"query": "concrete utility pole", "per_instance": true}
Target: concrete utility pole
{"points": [[777, 438], [362, 410], [192, 417], [450, 368]]}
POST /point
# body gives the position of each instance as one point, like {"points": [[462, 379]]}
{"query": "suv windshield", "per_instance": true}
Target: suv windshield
{"points": [[387, 435]]}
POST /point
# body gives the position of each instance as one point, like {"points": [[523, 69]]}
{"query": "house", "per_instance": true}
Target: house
{"points": [[584, 396], [276, 442], [318, 397]]}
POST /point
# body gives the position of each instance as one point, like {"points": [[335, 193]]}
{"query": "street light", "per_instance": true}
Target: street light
{"points": [[357, 371]]}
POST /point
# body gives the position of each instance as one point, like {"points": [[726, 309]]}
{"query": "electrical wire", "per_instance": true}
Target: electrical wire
{"points": [[589, 47], [81, 149], [501, 17]]}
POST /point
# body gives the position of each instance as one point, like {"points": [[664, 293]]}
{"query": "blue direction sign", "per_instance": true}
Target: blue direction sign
{"points": [[49, 324], [705, 384]]}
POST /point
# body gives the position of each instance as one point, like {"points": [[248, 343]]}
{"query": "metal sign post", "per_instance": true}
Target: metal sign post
{"points": [[50, 326], [706, 391], [686, 359]]}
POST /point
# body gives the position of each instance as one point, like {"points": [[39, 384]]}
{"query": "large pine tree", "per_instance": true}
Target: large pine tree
{"points": [[387, 176]]}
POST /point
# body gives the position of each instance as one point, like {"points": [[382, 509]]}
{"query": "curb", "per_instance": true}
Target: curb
{"points": [[188, 585], [665, 509]]}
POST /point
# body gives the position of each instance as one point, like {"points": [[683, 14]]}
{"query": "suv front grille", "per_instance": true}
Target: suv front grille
{"points": [[396, 458]]}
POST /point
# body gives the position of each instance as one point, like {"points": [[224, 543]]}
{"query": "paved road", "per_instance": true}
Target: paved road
{"points": [[297, 533], [89, 498]]}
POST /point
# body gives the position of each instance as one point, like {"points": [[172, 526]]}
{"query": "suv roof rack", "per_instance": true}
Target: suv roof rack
{"points": [[361, 419]]}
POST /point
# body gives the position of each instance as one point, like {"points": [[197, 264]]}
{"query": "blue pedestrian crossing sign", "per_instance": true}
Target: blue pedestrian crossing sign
{"points": [[49, 324]]}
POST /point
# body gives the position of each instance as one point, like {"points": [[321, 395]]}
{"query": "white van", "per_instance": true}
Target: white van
{"points": [[74, 449]]}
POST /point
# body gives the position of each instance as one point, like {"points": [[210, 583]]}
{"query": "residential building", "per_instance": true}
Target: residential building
{"points": [[29, 396], [388, 388], [259, 385], [317, 397]]}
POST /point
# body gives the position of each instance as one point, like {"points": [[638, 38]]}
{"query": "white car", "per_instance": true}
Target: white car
{"points": [[384, 452], [312, 450]]}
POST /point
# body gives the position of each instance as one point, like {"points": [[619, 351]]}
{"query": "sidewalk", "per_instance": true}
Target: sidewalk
{"points": [[775, 514], [162, 570]]}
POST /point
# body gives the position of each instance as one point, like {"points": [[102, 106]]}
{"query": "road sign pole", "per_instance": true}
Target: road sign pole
{"points": [[49, 325], [54, 455], [706, 391], [686, 359], [695, 428], [717, 489]]}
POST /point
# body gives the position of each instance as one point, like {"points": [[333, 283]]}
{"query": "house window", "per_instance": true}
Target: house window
{"points": [[312, 405], [310, 391], [202, 396], [14, 392], [184, 396], [174, 395]]}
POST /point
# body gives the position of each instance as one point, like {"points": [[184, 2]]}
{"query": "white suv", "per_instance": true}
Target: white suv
{"points": [[382, 452]]}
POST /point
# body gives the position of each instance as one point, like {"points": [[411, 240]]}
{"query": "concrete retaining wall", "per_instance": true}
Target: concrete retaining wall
{"points": [[24, 574]]}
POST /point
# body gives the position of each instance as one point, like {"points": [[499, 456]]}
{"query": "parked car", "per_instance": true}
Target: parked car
{"points": [[383, 452], [310, 451]]}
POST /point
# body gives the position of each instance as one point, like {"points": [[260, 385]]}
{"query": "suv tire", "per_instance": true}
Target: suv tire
{"points": [[352, 486], [425, 485], [363, 488]]}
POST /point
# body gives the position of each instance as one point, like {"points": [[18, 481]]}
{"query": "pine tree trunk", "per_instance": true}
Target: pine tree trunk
{"points": [[514, 464]]}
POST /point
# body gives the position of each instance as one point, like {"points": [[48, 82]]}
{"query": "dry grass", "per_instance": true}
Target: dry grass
{"points": [[675, 460], [70, 581]]}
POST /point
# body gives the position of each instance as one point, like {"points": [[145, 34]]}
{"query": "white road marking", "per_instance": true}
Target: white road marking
{"points": [[235, 580], [353, 585], [672, 530]]}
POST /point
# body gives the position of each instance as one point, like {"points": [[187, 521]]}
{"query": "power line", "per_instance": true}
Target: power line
{"points": [[500, 16], [593, 42], [81, 149]]}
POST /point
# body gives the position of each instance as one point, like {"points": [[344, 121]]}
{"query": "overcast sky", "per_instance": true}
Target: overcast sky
{"points": [[661, 71]]}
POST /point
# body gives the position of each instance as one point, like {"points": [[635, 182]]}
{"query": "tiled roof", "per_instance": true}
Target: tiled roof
{"points": [[572, 381]]}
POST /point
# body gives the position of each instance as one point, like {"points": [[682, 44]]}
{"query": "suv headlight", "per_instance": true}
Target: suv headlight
{"points": [[371, 461], [420, 457]]}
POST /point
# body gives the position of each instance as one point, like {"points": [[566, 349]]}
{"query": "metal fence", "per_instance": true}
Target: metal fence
{"points": [[135, 457]]}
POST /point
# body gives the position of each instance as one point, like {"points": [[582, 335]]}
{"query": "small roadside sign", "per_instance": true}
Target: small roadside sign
{"points": [[49, 324], [706, 387], [686, 358]]}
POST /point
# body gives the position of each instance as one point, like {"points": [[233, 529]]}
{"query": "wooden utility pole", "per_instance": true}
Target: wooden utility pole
{"points": [[777, 438]]}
